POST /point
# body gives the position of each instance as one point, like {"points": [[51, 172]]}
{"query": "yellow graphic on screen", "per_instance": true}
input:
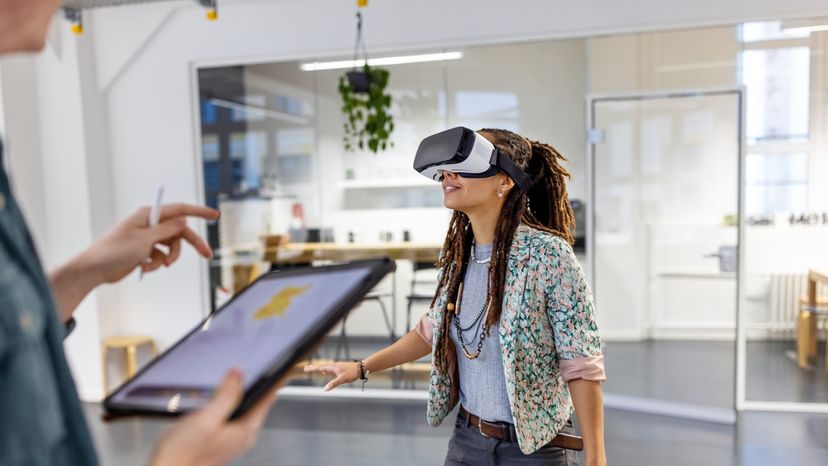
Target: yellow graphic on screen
{"points": [[280, 303]]}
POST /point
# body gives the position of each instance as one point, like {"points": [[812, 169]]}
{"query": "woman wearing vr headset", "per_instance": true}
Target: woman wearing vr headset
{"points": [[512, 328]]}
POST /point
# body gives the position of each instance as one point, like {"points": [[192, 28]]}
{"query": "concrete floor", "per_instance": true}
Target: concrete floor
{"points": [[379, 433], [353, 432]]}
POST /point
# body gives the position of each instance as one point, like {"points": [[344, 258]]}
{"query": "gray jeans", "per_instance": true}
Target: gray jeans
{"points": [[468, 447]]}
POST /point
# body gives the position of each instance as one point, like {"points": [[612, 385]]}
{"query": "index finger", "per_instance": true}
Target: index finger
{"points": [[256, 416], [227, 397], [169, 211]]}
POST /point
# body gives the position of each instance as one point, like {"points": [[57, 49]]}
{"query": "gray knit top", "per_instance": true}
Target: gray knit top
{"points": [[482, 382]]}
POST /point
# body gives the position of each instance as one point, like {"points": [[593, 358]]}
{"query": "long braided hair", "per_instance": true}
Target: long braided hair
{"points": [[545, 207]]}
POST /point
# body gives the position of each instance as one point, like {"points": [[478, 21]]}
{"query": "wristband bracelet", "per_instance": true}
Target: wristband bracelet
{"points": [[363, 374]]}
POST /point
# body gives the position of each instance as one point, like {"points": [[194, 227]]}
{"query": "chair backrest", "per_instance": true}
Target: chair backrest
{"points": [[417, 279], [423, 266]]}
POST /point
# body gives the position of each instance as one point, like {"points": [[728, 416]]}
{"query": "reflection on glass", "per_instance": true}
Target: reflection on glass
{"points": [[778, 83], [785, 236], [209, 112], [251, 107], [665, 182], [776, 182], [769, 30]]}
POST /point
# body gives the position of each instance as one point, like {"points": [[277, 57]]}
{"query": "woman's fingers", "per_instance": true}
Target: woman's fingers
{"points": [[157, 258], [197, 242], [226, 399], [257, 415], [174, 230], [167, 230], [175, 251], [342, 378], [322, 369], [338, 370], [188, 210]]}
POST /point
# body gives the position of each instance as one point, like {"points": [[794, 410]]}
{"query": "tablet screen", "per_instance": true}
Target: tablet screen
{"points": [[256, 331]]}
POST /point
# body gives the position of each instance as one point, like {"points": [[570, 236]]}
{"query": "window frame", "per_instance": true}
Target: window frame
{"points": [[792, 145]]}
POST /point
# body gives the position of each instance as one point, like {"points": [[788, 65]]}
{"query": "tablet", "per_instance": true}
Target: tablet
{"points": [[263, 331]]}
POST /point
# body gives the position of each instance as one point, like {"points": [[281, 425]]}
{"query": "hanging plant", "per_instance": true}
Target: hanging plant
{"points": [[368, 120], [365, 103]]}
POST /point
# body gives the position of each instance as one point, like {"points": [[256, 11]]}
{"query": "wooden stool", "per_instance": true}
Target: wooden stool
{"points": [[129, 345]]}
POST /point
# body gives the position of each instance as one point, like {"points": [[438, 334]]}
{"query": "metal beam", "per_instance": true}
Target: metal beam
{"points": [[89, 4]]}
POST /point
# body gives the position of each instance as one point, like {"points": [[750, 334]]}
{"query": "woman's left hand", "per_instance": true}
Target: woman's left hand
{"points": [[130, 244], [133, 243]]}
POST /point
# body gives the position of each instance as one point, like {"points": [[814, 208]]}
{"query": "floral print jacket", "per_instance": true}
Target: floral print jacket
{"points": [[548, 337]]}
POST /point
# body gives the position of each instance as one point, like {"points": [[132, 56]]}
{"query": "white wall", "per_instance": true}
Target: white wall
{"points": [[23, 136], [48, 157], [143, 56]]}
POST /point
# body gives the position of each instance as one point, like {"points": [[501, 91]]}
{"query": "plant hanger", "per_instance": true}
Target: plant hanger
{"points": [[365, 103], [359, 78]]}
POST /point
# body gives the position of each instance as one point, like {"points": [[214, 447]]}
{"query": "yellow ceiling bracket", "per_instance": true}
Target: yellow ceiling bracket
{"points": [[212, 8], [75, 18], [362, 3]]}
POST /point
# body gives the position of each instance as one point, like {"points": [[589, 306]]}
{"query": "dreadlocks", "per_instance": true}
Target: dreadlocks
{"points": [[545, 207]]}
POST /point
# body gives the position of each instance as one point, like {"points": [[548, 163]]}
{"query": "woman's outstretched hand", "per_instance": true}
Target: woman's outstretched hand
{"points": [[342, 372]]}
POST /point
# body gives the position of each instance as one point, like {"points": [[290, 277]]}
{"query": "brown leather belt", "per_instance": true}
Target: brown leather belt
{"points": [[506, 431]]}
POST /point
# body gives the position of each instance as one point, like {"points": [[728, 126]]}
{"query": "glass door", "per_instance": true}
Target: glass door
{"points": [[663, 248]]}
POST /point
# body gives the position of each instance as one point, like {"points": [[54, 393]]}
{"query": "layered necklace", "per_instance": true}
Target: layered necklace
{"points": [[479, 325]]}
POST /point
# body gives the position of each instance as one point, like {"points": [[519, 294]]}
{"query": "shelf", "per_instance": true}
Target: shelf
{"points": [[389, 183], [696, 274]]}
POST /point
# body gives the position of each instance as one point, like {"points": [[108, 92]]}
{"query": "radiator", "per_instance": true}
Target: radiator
{"points": [[785, 291]]}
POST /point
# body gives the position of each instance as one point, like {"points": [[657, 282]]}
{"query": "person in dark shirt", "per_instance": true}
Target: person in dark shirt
{"points": [[41, 421]]}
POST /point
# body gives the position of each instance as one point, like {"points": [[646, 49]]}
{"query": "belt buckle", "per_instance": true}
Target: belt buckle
{"points": [[480, 428]]}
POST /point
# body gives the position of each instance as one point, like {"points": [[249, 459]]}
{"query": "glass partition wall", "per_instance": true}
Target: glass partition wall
{"points": [[782, 364], [663, 247], [675, 267]]}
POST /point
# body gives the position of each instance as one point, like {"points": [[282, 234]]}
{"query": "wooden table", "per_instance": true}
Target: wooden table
{"points": [[305, 253]]}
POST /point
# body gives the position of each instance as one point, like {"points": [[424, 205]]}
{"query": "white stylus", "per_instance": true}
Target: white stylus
{"points": [[154, 217]]}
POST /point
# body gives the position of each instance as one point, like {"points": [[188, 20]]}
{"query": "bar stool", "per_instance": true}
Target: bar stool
{"points": [[806, 328], [129, 344]]}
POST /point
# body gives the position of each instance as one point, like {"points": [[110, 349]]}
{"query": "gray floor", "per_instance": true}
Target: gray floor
{"points": [[702, 372], [773, 375], [681, 371], [374, 433], [302, 432]]}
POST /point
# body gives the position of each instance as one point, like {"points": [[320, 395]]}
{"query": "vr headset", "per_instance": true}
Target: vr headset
{"points": [[470, 155]]}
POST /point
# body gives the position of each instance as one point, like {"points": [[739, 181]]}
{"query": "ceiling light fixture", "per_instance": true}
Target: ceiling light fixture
{"points": [[385, 61], [805, 25], [254, 110]]}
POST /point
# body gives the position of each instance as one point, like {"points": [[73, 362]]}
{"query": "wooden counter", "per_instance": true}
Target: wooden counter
{"points": [[305, 253]]}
